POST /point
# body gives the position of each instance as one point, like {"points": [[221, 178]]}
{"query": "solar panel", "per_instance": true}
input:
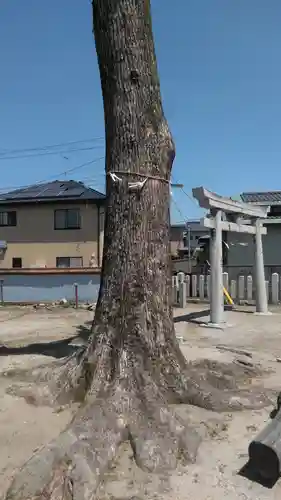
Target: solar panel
{"points": [[72, 192], [96, 194], [49, 193], [20, 195], [54, 189], [25, 193], [39, 193]]}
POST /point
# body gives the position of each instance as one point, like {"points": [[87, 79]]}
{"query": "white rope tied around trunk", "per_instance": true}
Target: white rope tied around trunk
{"points": [[136, 186]]}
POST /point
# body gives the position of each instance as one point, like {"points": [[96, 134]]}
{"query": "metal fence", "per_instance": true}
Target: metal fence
{"points": [[188, 287]]}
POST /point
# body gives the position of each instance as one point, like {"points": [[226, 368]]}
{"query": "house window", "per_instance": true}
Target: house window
{"points": [[69, 262], [8, 218], [17, 262], [67, 218]]}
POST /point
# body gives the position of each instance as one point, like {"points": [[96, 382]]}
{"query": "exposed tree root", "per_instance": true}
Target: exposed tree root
{"points": [[127, 393], [130, 409], [205, 383], [53, 384], [65, 381], [220, 386], [71, 467]]}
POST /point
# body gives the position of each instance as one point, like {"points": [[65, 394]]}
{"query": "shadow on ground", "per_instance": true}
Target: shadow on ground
{"points": [[196, 317], [56, 349], [193, 317]]}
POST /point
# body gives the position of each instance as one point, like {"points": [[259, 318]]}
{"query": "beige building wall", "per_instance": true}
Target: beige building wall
{"points": [[45, 254], [38, 244]]}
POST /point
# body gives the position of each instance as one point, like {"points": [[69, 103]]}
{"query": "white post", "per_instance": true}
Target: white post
{"points": [[225, 280], [217, 302], [249, 289], [241, 288], [181, 277], [201, 287], [267, 290], [187, 280], [182, 294], [208, 278], [275, 288], [233, 287], [194, 285], [175, 289], [261, 295]]}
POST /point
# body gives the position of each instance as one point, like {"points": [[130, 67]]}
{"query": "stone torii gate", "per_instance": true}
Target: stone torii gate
{"points": [[229, 215]]}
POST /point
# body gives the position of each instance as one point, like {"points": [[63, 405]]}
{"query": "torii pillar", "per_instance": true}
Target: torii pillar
{"points": [[226, 214], [216, 295], [261, 295]]}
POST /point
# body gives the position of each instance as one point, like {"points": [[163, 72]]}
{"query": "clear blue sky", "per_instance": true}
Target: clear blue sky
{"points": [[220, 71]]}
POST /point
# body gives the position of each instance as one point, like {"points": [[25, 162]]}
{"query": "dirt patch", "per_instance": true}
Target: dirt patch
{"points": [[24, 429]]}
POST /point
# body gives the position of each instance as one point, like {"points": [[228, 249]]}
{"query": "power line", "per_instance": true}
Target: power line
{"points": [[70, 170], [47, 153], [93, 179], [185, 193], [189, 197], [184, 219], [51, 146]]}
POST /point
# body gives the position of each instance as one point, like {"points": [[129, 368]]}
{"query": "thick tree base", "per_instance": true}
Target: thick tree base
{"points": [[130, 405], [71, 467], [205, 383]]}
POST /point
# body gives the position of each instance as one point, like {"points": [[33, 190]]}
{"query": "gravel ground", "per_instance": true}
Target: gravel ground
{"points": [[23, 428]]}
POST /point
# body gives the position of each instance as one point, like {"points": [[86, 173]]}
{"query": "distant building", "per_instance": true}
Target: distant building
{"points": [[185, 241], [184, 234], [238, 248], [58, 224], [240, 254]]}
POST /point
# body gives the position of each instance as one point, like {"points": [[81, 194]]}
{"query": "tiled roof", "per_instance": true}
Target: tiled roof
{"points": [[52, 191], [269, 197]]}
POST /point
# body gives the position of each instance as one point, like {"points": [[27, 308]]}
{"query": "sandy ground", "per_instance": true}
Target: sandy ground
{"points": [[23, 428]]}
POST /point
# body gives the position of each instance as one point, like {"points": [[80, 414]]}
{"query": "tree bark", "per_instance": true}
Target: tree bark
{"points": [[134, 303], [132, 367]]}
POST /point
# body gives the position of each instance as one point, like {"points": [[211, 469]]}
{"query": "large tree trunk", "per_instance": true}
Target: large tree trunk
{"points": [[134, 306], [132, 367]]}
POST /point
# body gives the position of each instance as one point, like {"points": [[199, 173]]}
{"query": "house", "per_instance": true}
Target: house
{"points": [[185, 239], [58, 224], [240, 254], [184, 236]]}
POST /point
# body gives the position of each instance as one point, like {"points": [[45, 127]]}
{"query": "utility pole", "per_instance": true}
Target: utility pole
{"points": [[189, 249], [175, 185], [188, 228]]}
